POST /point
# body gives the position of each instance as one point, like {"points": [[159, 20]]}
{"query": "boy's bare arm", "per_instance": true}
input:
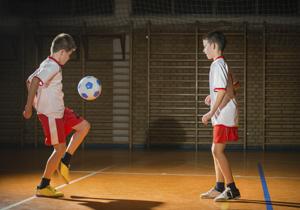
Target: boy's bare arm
{"points": [[220, 97], [32, 88], [27, 85], [227, 98]]}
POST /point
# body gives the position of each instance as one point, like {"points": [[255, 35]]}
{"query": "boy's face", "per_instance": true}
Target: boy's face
{"points": [[65, 56], [208, 49]]}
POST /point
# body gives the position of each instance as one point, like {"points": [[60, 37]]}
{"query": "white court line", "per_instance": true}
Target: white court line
{"points": [[178, 174], [19, 203], [59, 187], [84, 172]]}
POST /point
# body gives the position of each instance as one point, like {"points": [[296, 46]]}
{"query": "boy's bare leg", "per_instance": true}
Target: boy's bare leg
{"points": [[44, 188], [219, 175], [54, 159], [231, 191], [82, 130], [219, 187], [224, 166]]}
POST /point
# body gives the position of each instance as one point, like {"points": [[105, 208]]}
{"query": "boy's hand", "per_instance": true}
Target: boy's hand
{"points": [[206, 118], [207, 100], [27, 112]]}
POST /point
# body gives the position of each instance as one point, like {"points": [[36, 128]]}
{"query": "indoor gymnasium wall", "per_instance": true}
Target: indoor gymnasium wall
{"points": [[269, 56], [272, 99], [172, 78], [94, 56], [282, 98], [255, 87], [139, 86], [11, 62]]}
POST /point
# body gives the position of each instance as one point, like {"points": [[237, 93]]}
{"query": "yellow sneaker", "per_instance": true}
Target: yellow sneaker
{"points": [[64, 172], [48, 191]]}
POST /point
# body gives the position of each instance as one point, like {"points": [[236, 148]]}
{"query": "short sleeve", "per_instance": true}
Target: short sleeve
{"points": [[220, 78], [47, 71]]}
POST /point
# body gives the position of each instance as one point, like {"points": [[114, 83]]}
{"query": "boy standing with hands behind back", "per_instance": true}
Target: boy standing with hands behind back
{"points": [[223, 114]]}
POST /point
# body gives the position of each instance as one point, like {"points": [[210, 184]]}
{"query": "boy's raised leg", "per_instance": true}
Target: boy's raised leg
{"points": [[82, 130]]}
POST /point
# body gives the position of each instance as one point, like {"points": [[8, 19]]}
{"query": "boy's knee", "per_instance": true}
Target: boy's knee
{"points": [[213, 149], [215, 152], [84, 126], [87, 125]]}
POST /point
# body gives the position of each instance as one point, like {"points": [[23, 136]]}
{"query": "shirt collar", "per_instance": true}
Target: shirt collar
{"points": [[51, 58], [219, 57]]}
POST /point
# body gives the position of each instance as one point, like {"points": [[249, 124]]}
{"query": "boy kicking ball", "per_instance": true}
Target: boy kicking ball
{"points": [[46, 95]]}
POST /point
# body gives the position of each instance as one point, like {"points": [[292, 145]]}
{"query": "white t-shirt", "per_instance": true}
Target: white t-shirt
{"points": [[220, 78], [49, 98]]}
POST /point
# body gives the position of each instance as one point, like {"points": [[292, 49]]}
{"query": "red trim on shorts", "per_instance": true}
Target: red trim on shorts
{"points": [[59, 126], [223, 134], [64, 126]]}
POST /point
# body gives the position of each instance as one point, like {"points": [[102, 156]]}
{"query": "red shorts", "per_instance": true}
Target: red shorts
{"points": [[223, 134], [57, 129]]}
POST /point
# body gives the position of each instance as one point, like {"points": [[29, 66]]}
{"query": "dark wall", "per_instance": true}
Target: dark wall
{"points": [[263, 57]]}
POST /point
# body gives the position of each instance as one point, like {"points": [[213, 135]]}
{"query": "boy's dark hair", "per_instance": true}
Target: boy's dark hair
{"points": [[63, 42], [216, 37]]}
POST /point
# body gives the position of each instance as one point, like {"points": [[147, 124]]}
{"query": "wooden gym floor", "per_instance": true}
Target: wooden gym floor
{"points": [[150, 180]]}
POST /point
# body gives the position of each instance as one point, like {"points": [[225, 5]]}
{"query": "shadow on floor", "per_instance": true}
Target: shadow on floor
{"points": [[113, 204]]}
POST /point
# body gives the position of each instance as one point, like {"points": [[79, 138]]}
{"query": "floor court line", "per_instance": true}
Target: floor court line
{"points": [[59, 187], [265, 187], [104, 171], [178, 174]]}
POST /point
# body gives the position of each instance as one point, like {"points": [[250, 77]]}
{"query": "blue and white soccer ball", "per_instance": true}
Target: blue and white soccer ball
{"points": [[89, 88]]}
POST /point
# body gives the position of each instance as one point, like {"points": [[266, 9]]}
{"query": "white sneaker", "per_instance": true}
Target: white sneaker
{"points": [[228, 194], [212, 193]]}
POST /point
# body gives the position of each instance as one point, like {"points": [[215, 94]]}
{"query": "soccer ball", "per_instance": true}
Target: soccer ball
{"points": [[89, 88]]}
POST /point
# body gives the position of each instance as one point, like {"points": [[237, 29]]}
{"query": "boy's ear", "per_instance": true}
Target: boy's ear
{"points": [[60, 52], [214, 45]]}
